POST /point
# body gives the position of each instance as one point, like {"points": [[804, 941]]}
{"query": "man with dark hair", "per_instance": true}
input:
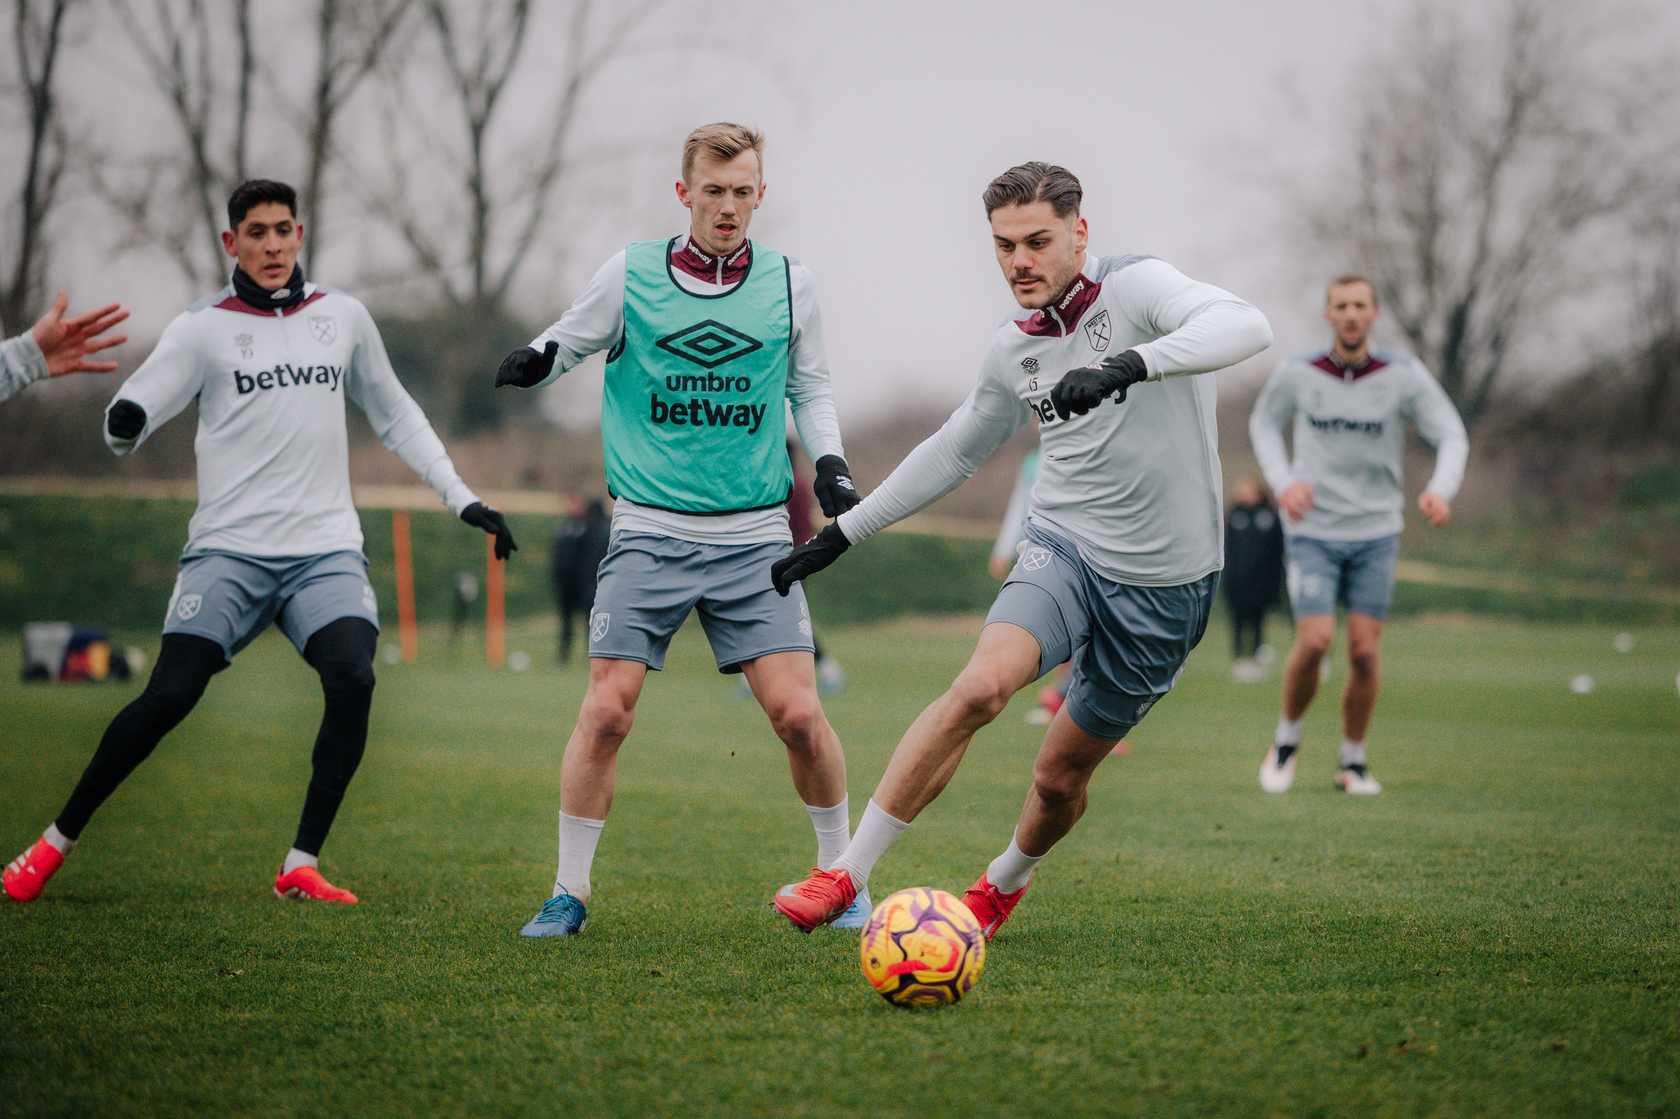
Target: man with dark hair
{"points": [[709, 338], [270, 360], [1123, 534], [56, 346], [1341, 499]]}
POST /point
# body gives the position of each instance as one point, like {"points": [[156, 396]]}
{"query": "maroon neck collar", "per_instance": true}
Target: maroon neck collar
{"points": [[1062, 315], [1331, 363], [690, 258]]}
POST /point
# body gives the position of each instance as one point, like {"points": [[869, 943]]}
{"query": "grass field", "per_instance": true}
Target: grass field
{"points": [[1495, 935]]}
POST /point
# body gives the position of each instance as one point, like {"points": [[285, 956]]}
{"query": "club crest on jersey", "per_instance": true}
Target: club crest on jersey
{"points": [[187, 606], [1099, 330], [598, 625], [324, 329]]}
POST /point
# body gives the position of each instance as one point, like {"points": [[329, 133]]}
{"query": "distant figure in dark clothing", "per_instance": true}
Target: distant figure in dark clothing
{"points": [[579, 547], [1253, 579]]}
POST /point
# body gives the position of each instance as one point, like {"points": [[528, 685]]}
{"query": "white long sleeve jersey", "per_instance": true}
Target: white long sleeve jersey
{"points": [[1348, 429], [273, 461], [21, 364], [595, 322], [1136, 486]]}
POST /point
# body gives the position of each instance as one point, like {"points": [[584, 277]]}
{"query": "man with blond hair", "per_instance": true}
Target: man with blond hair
{"points": [[706, 334], [1342, 502]]}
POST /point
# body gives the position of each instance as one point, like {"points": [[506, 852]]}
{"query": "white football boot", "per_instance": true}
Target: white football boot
{"points": [[1356, 779], [1275, 778]]}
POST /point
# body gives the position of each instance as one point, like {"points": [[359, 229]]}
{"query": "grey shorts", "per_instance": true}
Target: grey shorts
{"points": [[230, 599], [1357, 574], [1127, 643], [648, 583]]}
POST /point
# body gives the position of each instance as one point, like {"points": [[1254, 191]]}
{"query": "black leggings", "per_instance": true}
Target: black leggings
{"points": [[341, 652], [1248, 633]]}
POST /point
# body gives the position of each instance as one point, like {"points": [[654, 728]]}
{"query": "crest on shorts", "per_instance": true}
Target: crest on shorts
{"points": [[186, 607], [598, 624], [323, 328], [369, 601], [1035, 559], [1099, 330]]}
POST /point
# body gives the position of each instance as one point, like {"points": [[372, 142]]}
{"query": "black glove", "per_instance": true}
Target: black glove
{"points": [[525, 367], [808, 559], [125, 420], [480, 515], [1081, 390], [834, 489]]}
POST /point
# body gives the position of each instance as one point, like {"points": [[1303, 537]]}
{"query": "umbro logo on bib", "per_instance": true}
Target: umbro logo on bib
{"points": [[709, 344]]}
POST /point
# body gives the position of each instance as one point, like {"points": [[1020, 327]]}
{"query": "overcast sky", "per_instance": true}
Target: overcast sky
{"points": [[885, 121]]}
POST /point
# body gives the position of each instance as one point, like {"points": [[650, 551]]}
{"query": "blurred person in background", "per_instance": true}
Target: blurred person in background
{"points": [[1346, 408], [580, 544], [1253, 576], [56, 346]]}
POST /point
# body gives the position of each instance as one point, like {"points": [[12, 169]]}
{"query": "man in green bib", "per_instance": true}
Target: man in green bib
{"points": [[706, 333]]}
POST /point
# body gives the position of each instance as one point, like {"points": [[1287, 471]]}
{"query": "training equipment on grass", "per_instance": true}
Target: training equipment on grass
{"points": [[922, 947]]}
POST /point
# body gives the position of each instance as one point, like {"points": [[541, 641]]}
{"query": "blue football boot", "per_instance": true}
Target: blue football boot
{"points": [[856, 915], [561, 915]]}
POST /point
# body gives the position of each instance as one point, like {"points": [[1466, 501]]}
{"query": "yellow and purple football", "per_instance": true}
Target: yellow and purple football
{"points": [[922, 947]]}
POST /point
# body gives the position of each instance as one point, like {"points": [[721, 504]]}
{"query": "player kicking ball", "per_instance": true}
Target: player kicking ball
{"points": [[270, 359], [1341, 500], [1123, 534], [706, 334]]}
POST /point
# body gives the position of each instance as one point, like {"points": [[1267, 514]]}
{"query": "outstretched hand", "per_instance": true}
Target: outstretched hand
{"points": [[525, 367], [808, 559], [480, 515], [66, 343]]}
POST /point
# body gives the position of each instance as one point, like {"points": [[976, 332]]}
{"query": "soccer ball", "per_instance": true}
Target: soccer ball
{"points": [[922, 947]]}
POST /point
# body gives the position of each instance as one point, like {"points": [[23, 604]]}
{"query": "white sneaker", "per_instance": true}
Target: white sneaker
{"points": [[1356, 779], [1275, 778], [831, 678], [1247, 671], [1039, 716]]}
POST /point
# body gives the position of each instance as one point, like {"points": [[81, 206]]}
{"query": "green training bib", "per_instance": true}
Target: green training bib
{"points": [[692, 412]]}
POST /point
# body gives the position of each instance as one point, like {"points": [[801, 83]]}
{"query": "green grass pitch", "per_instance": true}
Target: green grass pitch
{"points": [[1494, 935]]}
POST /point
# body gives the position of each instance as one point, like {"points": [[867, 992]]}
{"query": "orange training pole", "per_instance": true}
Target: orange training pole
{"points": [[408, 635], [495, 611]]}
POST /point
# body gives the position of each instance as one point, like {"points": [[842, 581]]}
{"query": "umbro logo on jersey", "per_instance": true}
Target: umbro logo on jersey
{"points": [[1029, 365], [709, 344], [285, 377], [1099, 330]]}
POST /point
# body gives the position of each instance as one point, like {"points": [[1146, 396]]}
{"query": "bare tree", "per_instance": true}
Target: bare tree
{"points": [[501, 203], [1486, 153], [37, 42], [173, 196], [351, 39]]}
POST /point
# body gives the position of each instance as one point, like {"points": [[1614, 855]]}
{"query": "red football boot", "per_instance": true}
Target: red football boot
{"points": [[990, 906], [26, 876], [306, 884], [818, 900]]}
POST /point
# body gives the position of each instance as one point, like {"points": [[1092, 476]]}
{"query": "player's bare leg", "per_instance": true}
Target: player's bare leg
{"points": [[587, 773], [590, 764], [1313, 635], [1004, 661], [785, 685], [1056, 801], [1359, 700]]}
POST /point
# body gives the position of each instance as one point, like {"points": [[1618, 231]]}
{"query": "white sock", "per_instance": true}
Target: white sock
{"points": [[834, 831], [296, 858], [1288, 732], [1010, 870], [875, 833], [57, 840], [578, 837], [1352, 753]]}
